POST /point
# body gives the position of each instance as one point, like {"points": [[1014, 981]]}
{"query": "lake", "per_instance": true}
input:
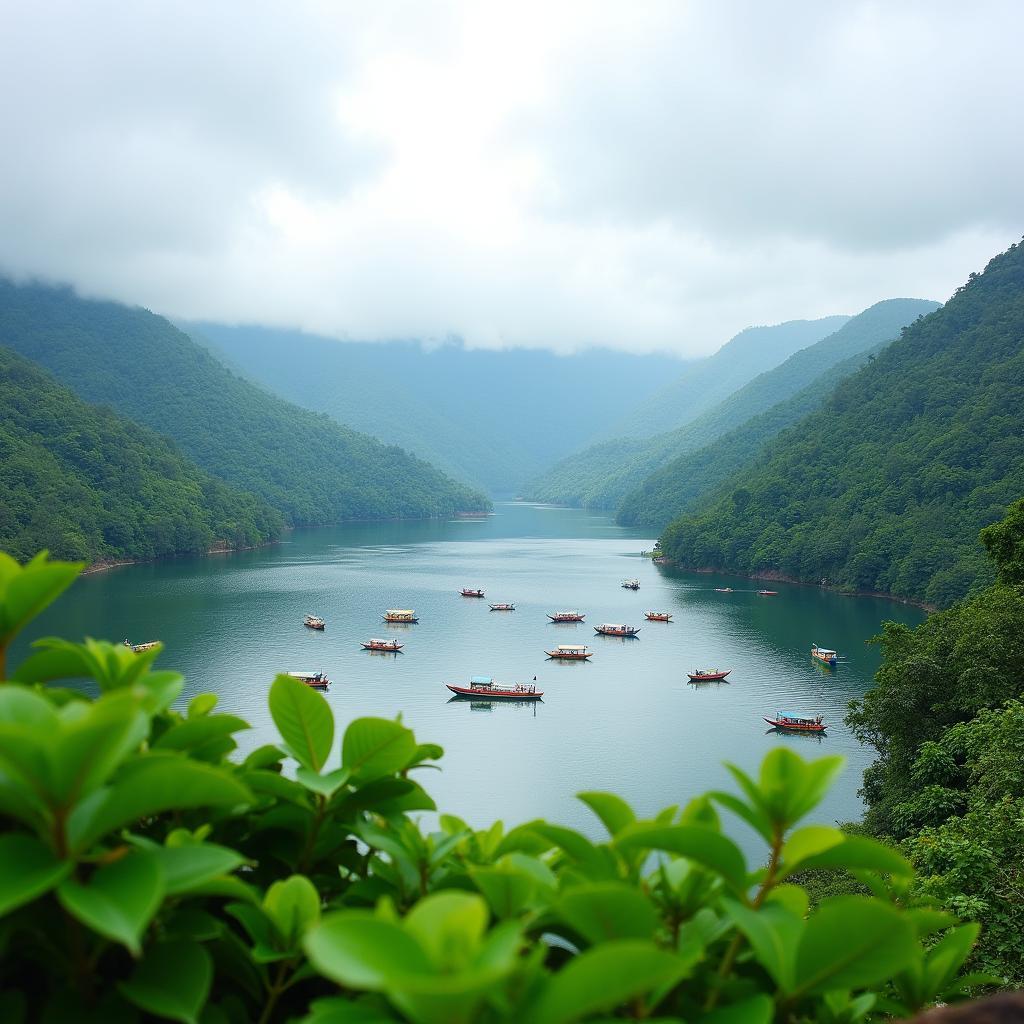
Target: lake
{"points": [[627, 721]]}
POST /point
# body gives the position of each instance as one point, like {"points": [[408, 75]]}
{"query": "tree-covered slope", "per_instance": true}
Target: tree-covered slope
{"points": [[304, 464], [886, 486], [692, 477], [89, 484], [603, 475]]}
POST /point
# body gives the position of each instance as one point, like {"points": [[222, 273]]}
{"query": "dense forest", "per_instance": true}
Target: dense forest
{"points": [[304, 464], [886, 486], [88, 484], [605, 475]]}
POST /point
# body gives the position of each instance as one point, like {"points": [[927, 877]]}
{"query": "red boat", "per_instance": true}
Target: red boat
{"points": [[467, 592], [505, 606], [567, 617], [616, 629], [318, 680], [658, 616], [389, 646], [483, 688], [797, 723], [700, 676], [569, 652], [767, 593]]}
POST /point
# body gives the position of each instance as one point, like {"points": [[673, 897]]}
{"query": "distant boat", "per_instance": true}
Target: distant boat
{"points": [[631, 584], [484, 688], [467, 592], [658, 616], [389, 646], [318, 680], [796, 723], [139, 648], [723, 590], [767, 593], [824, 655], [616, 629], [567, 617], [503, 607], [699, 675], [314, 622], [400, 615], [570, 652]]}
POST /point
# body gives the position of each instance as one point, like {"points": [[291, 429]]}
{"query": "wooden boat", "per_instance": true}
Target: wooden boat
{"points": [[467, 592], [318, 680], [400, 615], [699, 675], [658, 616], [570, 652], [824, 655], [314, 622], [567, 617], [723, 590], [767, 593], [139, 648], [503, 607], [616, 629], [631, 584], [390, 646], [484, 688], [796, 723]]}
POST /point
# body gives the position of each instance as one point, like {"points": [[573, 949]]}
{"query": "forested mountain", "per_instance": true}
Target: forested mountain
{"points": [[603, 475], [89, 484], [302, 463], [493, 418], [690, 478], [886, 486]]}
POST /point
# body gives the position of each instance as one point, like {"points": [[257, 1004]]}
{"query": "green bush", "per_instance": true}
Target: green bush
{"points": [[147, 873]]}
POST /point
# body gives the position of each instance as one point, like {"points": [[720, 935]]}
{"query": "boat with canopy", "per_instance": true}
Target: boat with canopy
{"points": [[485, 688], [786, 720], [566, 616], [570, 652], [318, 680], [825, 655], [314, 622], [387, 646], [616, 629], [400, 615], [700, 675]]}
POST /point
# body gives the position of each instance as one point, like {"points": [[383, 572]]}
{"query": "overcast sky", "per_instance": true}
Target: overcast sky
{"points": [[639, 175]]}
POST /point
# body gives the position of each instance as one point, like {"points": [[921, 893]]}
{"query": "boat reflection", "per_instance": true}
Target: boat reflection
{"points": [[492, 705], [799, 737]]}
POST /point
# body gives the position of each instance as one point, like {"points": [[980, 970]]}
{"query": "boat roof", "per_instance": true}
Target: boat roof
{"points": [[304, 675], [571, 647], [401, 611], [795, 717], [379, 640], [823, 650], [615, 625], [481, 679]]}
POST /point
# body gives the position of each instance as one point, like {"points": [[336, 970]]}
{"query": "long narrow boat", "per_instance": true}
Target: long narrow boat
{"points": [[723, 590], [400, 615], [824, 655], [796, 723], [139, 648], [566, 616], [387, 646], [318, 680], [314, 622], [767, 593], [505, 606], [658, 616], [631, 584], [616, 629], [469, 592], [570, 652], [484, 688], [699, 675]]}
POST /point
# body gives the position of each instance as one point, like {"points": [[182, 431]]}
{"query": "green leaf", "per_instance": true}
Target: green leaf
{"points": [[294, 907], [187, 867], [374, 747], [119, 900], [702, 845], [172, 981], [338, 1010], [22, 706], [602, 911], [325, 785], [27, 870], [303, 718], [808, 842], [207, 737], [449, 926], [506, 890], [756, 1010], [264, 757], [858, 853], [790, 787], [201, 704], [774, 933], [946, 958], [614, 812], [604, 977], [26, 590], [574, 845]]}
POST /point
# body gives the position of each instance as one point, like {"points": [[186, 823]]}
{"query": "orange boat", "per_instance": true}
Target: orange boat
{"points": [[388, 646], [484, 688], [658, 616], [698, 675], [796, 723], [616, 629], [569, 652], [567, 617], [467, 592]]}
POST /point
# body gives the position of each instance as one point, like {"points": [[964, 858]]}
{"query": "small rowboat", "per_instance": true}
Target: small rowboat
{"points": [[505, 607], [616, 629], [569, 652], [484, 688], [723, 590], [796, 723], [467, 592], [658, 616], [824, 655], [700, 676], [767, 593], [400, 615], [631, 584], [314, 622], [318, 680], [567, 617], [139, 648], [388, 646]]}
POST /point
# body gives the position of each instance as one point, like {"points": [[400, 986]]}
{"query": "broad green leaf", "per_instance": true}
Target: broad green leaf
{"points": [[807, 842], [119, 900], [263, 757], [755, 1010], [326, 785], [304, 720], [702, 845], [338, 1010], [27, 870], [575, 845], [791, 787], [24, 707], [207, 737], [947, 956], [754, 816], [172, 981], [294, 907], [188, 867], [507, 890], [449, 926], [26, 590], [614, 812], [603, 911], [374, 747], [201, 704], [858, 853], [774, 933]]}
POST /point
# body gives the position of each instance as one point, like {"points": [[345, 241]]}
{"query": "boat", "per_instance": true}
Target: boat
{"points": [[570, 652], [139, 648], [796, 723], [658, 616], [616, 629], [468, 592], [484, 687], [389, 646], [400, 615], [723, 590], [824, 655], [567, 617], [767, 593], [631, 584], [314, 622], [699, 675], [318, 680], [506, 606]]}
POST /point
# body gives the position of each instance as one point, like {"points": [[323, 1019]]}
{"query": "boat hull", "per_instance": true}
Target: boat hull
{"points": [[314, 625], [471, 593], [657, 618], [400, 622], [503, 607], [396, 649], [626, 634], [494, 694], [796, 726], [569, 657], [566, 618]]}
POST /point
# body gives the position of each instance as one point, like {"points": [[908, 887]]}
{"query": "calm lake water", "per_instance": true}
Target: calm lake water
{"points": [[627, 721]]}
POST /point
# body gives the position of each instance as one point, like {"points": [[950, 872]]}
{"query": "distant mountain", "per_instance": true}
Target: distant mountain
{"points": [[493, 418], [305, 465], [89, 484], [691, 477], [705, 382], [603, 475], [887, 485]]}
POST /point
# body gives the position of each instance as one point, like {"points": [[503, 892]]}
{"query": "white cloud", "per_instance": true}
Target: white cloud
{"points": [[641, 176]]}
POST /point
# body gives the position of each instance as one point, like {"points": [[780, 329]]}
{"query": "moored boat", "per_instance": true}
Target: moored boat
{"points": [[505, 606], [139, 648], [469, 592], [767, 593], [567, 617], [824, 655], [631, 584], [400, 615], [389, 646], [797, 723], [318, 680], [570, 652], [616, 629], [314, 622], [484, 688], [699, 675], [658, 616]]}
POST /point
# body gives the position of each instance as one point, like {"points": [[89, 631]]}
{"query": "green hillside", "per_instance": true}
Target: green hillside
{"points": [[603, 475], [886, 486], [692, 477], [304, 464], [88, 484]]}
